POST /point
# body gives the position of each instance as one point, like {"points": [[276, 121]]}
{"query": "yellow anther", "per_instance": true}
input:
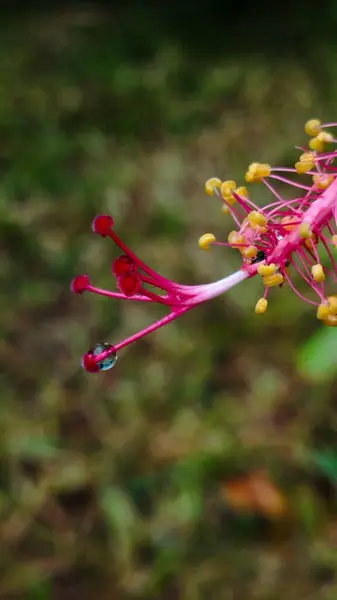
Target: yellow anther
{"points": [[312, 127], [256, 172], [305, 231], [318, 142], [225, 209], [236, 239], [334, 240], [249, 252], [261, 306], [289, 222], [266, 270], [242, 191], [307, 157], [227, 187], [257, 219], [253, 167], [232, 237], [332, 305], [211, 185], [249, 177], [331, 321], [326, 137], [323, 181], [240, 240], [318, 273], [306, 162], [273, 280], [206, 240], [304, 166], [310, 243], [322, 312], [264, 170]]}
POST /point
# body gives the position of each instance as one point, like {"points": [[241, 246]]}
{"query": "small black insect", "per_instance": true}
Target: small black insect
{"points": [[286, 265], [261, 255]]}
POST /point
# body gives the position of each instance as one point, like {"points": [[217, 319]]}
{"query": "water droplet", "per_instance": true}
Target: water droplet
{"points": [[110, 361]]}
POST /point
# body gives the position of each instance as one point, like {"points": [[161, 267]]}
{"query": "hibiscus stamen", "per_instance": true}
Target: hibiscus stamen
{"points": [[287, 233]]}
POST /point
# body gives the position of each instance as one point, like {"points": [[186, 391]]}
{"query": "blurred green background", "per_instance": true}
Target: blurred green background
{"points": [[205, 464]]}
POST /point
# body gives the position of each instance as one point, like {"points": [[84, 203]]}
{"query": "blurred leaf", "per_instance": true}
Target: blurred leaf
{"points": [[121, 519], [308, 508], [39, 591], [34, 446], [70, 475], [326, 461], [317, 359], [118, 509]]}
